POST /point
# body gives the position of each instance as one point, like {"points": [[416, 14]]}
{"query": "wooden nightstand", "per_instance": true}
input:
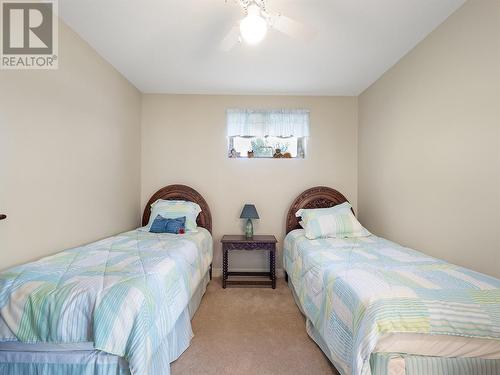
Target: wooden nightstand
{"points": [[257, 242]]}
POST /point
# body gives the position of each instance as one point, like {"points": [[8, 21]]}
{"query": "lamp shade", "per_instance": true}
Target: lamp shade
{"points": [[253, 27], [249, 212]]}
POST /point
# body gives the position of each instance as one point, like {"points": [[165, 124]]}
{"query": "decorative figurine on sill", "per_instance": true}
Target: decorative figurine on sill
{"points": [[278, 154], [287, 155], [250, 154], [234, 154]]}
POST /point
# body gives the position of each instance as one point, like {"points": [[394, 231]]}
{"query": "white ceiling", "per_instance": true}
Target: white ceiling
{"points": [[170, 46]]}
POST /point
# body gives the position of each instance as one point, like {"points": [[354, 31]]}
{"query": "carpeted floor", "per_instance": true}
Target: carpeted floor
{"points": [[250, 331]]}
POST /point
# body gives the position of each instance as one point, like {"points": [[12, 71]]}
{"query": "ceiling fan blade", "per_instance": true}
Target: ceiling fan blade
{"points": [[292, 28], [231, 39]]}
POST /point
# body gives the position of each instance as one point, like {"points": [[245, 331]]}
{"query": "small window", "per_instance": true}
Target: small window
{"points": [[267, 133], [266, 147]]}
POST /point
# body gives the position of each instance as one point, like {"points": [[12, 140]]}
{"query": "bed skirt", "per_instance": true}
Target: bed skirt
{"points": [[80, 359], [404, 364]]}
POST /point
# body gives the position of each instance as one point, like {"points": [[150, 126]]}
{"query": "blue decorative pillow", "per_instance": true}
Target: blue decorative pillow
{"points": [[171, 209], [164, 225]]}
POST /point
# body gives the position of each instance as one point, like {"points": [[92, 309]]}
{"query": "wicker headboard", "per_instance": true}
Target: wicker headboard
{"points": [[181, 192], [316, 197]]}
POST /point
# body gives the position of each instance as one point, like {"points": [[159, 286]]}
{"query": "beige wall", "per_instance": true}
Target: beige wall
{"points": [[429, 151], [429, 143], [69, 154], [184, 141]]}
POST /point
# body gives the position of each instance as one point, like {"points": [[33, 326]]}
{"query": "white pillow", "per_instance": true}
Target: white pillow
{"points": [[173, 209]]}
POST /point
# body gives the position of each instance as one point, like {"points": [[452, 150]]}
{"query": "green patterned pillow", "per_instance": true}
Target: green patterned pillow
{"points": [[311, 213], [337, 221]]}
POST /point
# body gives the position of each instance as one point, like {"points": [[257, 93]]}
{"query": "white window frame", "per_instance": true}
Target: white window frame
{"points": [[261, 123]]}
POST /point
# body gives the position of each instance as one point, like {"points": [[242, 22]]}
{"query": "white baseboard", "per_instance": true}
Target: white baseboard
{"points": [[217, 272]]}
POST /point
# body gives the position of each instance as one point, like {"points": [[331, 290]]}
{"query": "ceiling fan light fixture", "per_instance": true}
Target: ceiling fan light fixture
{"points": [[253, 27]]}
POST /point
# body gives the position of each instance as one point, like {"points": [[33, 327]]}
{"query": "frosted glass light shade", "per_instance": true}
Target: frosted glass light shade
{"points": [[253, 27]]}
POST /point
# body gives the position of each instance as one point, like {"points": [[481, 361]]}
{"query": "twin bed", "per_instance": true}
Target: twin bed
{"points": [[124, 304], [375, 307], [117, 306]]}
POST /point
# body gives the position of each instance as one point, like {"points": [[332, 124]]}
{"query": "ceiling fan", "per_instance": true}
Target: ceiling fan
{"points": [[252, 29]]}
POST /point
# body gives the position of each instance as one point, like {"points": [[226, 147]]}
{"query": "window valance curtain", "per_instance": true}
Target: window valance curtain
{"points": [[274, 122]]}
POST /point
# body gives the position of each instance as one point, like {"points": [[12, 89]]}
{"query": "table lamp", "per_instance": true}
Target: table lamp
{"points": [[249, 212]]}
